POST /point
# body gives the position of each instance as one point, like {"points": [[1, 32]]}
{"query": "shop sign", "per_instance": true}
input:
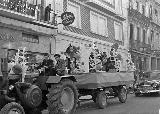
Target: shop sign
{"points": [[67, 18], [30, 38]]}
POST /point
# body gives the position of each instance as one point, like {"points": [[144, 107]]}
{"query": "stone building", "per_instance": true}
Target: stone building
{"points": [[22, 25], [143, 19]]}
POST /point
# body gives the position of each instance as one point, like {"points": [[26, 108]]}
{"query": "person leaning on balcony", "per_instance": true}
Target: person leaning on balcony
{"points": [[47, 13]]}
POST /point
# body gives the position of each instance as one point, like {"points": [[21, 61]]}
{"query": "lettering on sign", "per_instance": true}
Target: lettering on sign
{"points": [[30, 38], [67, 18]]}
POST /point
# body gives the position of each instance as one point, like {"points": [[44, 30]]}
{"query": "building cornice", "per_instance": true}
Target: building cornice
{"points": [[94, 9], [89, 39], [24, 26]]}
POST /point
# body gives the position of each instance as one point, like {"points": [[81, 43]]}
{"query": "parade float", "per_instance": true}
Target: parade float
{"points": [[103, 79]]}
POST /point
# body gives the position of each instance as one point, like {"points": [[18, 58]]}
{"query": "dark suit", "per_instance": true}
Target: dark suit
{"points": [[49, 64], [60, 67]]}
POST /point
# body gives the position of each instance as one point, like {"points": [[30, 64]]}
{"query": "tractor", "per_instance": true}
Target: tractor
{"points": [[31, 93]]}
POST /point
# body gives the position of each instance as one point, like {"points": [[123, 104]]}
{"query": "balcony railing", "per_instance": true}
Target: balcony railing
{"points": [[36, 12], [132, 13], [18, 6]]}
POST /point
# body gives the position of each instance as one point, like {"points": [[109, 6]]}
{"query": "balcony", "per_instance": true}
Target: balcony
{"points": [[105, 7], [17, 10], [137, 16], [139, 46], [23, 11]]}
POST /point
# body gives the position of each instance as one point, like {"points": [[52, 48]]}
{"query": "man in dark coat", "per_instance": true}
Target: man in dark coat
{"points": [[48, 65], [60, 65], [47, 12]]}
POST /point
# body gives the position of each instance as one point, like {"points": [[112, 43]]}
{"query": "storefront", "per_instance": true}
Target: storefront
{"points": [[35, 44]]}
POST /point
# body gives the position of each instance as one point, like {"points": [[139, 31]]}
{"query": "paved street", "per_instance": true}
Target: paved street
{"points": [[134, 105]]}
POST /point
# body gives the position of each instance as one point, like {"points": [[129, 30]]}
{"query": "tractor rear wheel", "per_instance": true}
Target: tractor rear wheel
{"points": [[12, 108], [62, 98]]}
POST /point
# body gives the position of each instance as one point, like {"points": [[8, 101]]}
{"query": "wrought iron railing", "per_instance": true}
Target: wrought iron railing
{"points": [[23, 7], [18, 6]]}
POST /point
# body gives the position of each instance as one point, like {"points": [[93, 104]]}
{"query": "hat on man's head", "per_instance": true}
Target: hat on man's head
{"points": [[46, 54], [57, 55]]}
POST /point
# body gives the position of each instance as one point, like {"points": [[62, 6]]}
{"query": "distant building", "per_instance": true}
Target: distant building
{"points": [[143, 18]]}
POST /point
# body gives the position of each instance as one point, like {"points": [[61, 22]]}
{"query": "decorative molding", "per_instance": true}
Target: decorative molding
{"points": [[90, 39], [94, 9]]}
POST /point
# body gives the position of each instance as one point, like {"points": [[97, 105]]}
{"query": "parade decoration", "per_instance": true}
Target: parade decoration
{"points": [[21, 63], [130, 64], [95, 62], [73, 52]]}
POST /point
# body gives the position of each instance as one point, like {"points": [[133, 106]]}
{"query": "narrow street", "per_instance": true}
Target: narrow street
{"points": [[134, 105]]}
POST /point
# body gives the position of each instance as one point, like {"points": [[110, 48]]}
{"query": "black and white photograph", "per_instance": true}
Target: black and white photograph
{"points": [[79, 56]]}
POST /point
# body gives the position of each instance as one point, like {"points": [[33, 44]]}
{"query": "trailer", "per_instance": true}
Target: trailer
{"points": [[104, 85]]}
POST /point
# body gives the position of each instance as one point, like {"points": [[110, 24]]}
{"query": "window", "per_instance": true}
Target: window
{"points": [[98, 24], [118, 6], [137, 5], [156, 12], [144, 36], [152, 36], [143, 9], [150, 11], [130, 4], [112, 2], [138, 34], [156, 15], [118, 31], [75, 9]]}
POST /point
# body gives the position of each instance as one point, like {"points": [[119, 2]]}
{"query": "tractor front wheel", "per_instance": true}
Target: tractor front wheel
{"points": [[12, 108], [62, 98]]}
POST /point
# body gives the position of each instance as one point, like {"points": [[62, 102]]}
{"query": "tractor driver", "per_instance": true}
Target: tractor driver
{"points": [[47, 64], [60, 65]]}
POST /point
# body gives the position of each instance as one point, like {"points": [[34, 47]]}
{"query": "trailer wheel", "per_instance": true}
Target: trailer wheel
{"points": [[101, 99], [94, 96], [137, 94], [2, 101], [122, 95], [12, 108], [62, 98]]}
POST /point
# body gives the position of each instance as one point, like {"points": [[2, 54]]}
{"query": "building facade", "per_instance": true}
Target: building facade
{"points": [[143, 19], [102, 22], [22, 25]]}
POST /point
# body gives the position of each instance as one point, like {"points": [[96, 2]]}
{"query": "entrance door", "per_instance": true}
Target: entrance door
{"points": [[158, 64], [153, 63]]}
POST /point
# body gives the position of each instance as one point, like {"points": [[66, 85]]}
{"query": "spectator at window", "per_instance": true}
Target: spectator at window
{"points": [[47, 13]]}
